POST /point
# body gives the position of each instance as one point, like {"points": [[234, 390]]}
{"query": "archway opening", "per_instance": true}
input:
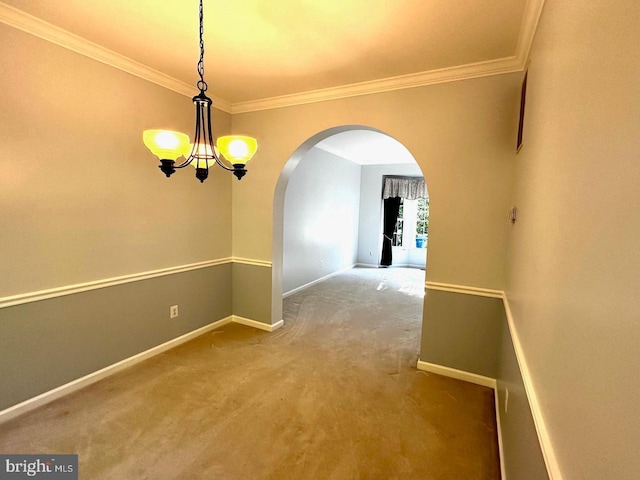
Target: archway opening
{"points": [[335, 181]]}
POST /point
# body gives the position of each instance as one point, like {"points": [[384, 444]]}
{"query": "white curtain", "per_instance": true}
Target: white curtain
{"points": [[404, 187]]}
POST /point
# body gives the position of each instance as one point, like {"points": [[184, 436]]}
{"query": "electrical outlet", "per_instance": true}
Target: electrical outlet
{"points": [[173, 311], [506, 400]]}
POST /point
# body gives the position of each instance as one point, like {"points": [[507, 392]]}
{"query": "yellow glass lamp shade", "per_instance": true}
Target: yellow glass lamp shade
{"points": [[165, 144], [237, 149]]}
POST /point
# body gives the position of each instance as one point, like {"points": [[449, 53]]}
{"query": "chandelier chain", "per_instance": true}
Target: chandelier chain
{"points": [[202, 85]]}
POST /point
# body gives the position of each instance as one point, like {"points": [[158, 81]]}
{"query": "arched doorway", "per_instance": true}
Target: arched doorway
{"points": [[368, 249]]}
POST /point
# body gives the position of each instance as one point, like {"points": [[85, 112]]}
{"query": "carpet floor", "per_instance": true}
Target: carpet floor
{"points": [[333, 394]]}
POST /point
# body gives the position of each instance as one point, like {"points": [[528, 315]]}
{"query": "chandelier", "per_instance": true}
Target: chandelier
{"points": [[168, 145]]}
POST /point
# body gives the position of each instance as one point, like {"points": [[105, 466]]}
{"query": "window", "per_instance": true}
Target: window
{"points": [[412, 227], [422, 223]]}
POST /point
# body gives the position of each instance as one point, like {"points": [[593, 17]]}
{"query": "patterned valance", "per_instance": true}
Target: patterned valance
{"points": [[404, 187]]}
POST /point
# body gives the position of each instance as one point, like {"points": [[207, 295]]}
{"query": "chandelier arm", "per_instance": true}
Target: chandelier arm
{"points": [[198, 132], [196, 141], [222, 164], [209, 132], [183, 164]]}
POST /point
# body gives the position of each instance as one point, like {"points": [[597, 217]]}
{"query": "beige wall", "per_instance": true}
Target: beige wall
{"points": [[461, 134], [81, 198], [574, 262]]}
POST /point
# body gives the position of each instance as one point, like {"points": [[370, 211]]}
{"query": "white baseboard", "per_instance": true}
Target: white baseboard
{"points": [[319, 280], [259, 325], [457, 374], [91, 378], [408, 265], [75, 385], [496, 397], [478, 380]]}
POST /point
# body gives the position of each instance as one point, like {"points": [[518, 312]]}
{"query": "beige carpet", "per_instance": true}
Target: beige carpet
{"points": [[334, 394]]}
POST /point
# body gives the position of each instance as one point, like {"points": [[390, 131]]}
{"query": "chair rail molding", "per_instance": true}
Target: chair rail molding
{"points": [[251, 261], [36, 296], [465, 289]]}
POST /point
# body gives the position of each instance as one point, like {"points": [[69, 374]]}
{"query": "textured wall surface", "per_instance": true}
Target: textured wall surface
{"points": [[49, 343], [461, 331], [81, 200], [574, 267], [321, 211], [523, 459], [81, 197], [251, 286]]}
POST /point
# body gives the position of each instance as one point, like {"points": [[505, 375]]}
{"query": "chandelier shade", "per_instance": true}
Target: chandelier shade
{"points": [[237, 148], [166, 144]]}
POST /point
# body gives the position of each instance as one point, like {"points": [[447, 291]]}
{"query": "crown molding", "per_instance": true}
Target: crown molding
{"points": [[516, 63], [28, 23], [443, 75], [530, 21], [37, 27]]}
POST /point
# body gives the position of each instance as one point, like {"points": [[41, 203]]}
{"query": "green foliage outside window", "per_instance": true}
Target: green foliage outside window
{"points": [[421, 209], [422, 221]]}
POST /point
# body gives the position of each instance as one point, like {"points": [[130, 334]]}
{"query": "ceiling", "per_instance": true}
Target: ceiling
{"points": [[269, 53]]}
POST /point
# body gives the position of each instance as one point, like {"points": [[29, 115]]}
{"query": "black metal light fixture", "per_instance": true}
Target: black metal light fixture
{"points": [[168, 145]]}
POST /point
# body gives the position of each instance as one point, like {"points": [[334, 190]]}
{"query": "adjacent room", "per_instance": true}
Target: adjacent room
{"points": [[334, 215], [268, 311]]}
